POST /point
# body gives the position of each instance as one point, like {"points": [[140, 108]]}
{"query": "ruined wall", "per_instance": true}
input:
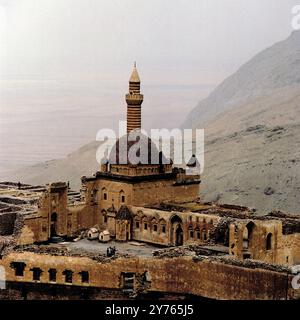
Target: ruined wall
{"points": [[40, 291], [36, 225], [254, 245], [27, 236], [55, 217], [7, 222], [289, 250], [81, 217], [205, 278], [280, 249]]}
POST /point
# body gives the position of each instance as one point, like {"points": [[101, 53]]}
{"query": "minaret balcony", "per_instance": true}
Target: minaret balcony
{"points": [[134, 98]]}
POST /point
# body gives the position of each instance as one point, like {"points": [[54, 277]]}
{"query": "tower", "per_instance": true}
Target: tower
{"points": [[134, 101]]}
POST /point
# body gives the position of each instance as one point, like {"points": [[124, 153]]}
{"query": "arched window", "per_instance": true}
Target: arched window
{"points": [[162, 224], [145, 223], [137, 221], [104, 194], [191, 233], [198, 234], [247, 235], [122, 196], [154, 225], [137, 224], [269, 241], [54, 217], [94, 195]]}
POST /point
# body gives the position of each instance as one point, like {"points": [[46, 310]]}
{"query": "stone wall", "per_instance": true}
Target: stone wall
{"points": [[281, 249], [163, 191], [290, 249], [137, 193], [7, 223], [38, 291], [36, 225], [182, 275], [197, 228]]}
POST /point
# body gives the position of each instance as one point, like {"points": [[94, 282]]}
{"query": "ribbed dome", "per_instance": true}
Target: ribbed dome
{"points": [[143, 147]]}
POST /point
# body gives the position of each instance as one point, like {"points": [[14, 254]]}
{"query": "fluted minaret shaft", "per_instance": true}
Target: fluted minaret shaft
{"points": [[134, 101]]}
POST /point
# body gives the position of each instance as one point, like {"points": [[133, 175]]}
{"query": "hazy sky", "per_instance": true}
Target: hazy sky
{"points": [[64, 64], [173, 41]]}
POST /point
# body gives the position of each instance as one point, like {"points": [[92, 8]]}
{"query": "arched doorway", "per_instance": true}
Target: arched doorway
{"points": [[176, 231], [179, 236], [53, 227], [247, 240]]}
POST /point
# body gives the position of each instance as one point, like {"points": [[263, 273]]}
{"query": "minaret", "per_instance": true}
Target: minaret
{"points": [[134, 101]]}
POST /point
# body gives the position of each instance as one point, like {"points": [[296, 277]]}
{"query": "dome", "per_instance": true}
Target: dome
{"points": [[140, 151]]}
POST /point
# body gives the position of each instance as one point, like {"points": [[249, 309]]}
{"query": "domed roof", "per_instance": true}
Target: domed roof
{"points": [[140, 151]]}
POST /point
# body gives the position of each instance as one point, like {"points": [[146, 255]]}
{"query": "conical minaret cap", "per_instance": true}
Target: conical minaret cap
{"points": [[134, 76]]}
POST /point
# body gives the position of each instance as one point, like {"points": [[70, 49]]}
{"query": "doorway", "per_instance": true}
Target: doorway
{"points": [[179, 236], [53, 227], [176, 231]]}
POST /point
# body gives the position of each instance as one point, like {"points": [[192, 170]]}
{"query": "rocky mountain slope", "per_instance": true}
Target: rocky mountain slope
{"points": [[252, 154], [252, 128], [274, 68]]}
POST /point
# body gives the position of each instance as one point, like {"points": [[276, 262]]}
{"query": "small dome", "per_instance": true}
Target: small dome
{"points": [[193, 162]]}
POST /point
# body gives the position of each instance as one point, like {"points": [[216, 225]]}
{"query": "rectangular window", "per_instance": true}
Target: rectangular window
{"points": [[137, 225], [155, 228], [19, 268], [105, 196], [36, 274], [84, 276], [123, 199], [145, 226], [128, 282], [163, 229], [52, 275], [68, 276], [191, 234]]}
